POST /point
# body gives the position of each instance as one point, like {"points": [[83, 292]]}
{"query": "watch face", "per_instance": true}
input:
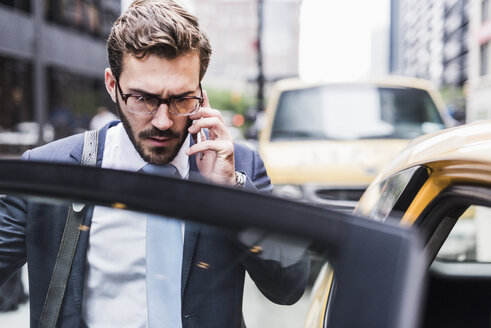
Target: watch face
{"points": [[240, 179]]}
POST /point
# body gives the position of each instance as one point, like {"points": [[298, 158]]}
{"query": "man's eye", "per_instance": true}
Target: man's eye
{"points": [[140, 98]]}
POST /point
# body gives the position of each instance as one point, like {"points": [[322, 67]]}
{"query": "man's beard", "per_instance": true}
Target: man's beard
{"points": [[154, 155]]}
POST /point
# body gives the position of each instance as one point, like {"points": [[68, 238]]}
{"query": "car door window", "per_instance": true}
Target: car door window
{"points": [[459, 279], [390, 198], [470, 238], [117, 241]]}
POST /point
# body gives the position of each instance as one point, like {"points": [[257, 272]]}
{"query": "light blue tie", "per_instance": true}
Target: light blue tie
{"points": [[164, 262]]}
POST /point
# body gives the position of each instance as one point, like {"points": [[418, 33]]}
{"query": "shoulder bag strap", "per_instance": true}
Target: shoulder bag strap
{"points": [[69, 241]]}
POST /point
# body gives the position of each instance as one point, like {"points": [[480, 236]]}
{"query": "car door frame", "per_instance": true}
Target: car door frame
{"points": [[454, 281], [440, 216]]}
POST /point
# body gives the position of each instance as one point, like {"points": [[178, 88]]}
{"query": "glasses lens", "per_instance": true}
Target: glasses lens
{"points": [[151, 103], [141, 104], [185, 105]]}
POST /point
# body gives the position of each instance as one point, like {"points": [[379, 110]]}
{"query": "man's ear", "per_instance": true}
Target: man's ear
{"points": [[110, 83]]}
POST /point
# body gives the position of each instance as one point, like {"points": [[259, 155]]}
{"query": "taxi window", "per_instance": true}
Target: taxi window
{"points": [[470, 238], [217, 275], [392, 197]]}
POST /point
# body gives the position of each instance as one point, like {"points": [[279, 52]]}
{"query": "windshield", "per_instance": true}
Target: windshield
{"points": [[355, 112]]}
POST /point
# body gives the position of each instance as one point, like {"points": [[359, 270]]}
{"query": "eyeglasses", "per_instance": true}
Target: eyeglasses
{"points": [[143, 104]]}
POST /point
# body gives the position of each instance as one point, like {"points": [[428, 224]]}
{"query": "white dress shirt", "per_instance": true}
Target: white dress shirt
{"points": [[115, 287]]}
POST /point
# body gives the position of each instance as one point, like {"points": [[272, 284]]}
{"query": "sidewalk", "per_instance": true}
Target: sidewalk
{"points": [[20, 317], [15, 319]]}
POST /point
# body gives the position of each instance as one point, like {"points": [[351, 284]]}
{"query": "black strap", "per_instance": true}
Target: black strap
{"points": [[68, 246]]}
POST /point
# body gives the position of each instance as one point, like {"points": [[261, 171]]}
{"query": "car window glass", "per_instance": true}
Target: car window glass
{"points": [[368, 112], [470, 238], [391, 197], [215, 266]]}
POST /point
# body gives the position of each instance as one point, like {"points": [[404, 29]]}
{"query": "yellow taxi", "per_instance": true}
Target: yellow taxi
{"points": [[324, 143], [440, 187]]}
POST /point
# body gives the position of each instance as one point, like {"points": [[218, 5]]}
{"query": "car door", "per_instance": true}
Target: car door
{"points": [[385, 202], [379, 267], [448, 204], [456, 229]]}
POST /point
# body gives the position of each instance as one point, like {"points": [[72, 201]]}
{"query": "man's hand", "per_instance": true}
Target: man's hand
{"points": [[216, 162]]}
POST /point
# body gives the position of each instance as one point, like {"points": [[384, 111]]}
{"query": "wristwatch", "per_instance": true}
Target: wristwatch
{"points": [[240, 180]]}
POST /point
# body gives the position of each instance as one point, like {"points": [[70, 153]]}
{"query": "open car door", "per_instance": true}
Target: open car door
{"points": [[379, 267]]}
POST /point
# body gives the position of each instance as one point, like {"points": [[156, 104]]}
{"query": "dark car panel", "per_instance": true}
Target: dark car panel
{"points": [[372, 290]]}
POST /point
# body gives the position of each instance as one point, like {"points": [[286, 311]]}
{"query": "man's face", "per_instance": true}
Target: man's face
{"points": [[157, 137]]}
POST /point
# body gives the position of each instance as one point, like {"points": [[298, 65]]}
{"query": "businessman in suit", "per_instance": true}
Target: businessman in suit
{"points": [[158, 57]]}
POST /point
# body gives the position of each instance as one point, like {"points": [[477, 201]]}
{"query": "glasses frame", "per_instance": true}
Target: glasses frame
{"points": [[167, 101]]}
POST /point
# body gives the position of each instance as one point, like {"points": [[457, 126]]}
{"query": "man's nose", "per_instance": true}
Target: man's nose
{"points": [[162, 119]]}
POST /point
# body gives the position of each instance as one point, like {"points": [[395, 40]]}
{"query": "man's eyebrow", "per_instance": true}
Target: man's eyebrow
{"points": [[143, 92], [182, 94], [146, 93]]}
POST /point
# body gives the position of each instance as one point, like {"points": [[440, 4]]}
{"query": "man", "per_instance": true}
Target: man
{"points": [[158, 56]]}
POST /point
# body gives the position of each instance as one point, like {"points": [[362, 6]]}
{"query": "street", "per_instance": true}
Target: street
{"points": [[19, 318], [261, 313]]}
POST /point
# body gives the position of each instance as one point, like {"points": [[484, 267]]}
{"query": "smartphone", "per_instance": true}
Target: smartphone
{"points": [[198, 140]]}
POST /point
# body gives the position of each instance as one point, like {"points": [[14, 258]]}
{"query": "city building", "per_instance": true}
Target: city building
{"points": [[479, 85], [233, 25], [52, 61], [429, 39]]}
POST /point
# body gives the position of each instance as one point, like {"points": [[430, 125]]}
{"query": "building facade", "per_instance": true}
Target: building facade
{"points": [[479, 85], [430, 40], [234, 37], [52, 61]]}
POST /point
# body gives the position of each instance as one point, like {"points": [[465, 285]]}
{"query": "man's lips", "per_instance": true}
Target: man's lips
{"points": [[159, 141]]}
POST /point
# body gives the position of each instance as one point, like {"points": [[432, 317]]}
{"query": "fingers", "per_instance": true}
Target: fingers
{"points": [[213, 124], [216, 155], [223, 148], [211, 119], [204, 112]]}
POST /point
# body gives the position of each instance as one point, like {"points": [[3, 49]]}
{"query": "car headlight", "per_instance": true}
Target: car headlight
{"points": [[288, 191]]}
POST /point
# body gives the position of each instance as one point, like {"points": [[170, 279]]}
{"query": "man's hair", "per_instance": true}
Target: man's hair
{"points": [[156, 27]]}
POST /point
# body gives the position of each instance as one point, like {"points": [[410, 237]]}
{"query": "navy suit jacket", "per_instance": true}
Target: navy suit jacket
{"points": [[211, 295]]}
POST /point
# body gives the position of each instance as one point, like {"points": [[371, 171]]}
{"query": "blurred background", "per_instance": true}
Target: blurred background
{"points": [[52, 55]]}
